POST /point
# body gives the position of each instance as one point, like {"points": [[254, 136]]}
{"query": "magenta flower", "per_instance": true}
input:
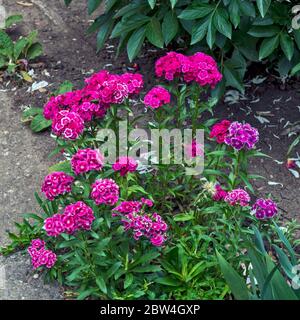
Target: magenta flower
{"points": [[55, 184], [220, 131], [264, 209], [68, 125], [133, 81], [202, 69], [76, 216], [54, 225], [124, 165], [105, 191], [241, 136], [126, 207], [86, 160], [40, 255], [157, 97], [238, 197], [199, 67], [170, 66], [219, 194], [152, 227]]}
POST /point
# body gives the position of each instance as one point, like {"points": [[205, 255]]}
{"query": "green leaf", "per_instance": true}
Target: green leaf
{"points": [[263, 6], [234, 12], [170, 27], [287, 45], [264, 31], [234, 280], [128, 280], [173, 3], [154, 33], [196, 12], [20, 45], [135, 43], [39, 123], [101, 284], [67, 2], [13, 20], [6, 44], [93, 5], [168, 281], [268, 46], [103, 33], [184, 217], [152, 3], [211, 34], [222, 24], [232, 77], [63, 166], [66, 86], [199, 31], [34, 51]]}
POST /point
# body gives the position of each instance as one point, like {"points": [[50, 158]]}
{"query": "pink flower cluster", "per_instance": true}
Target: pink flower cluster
{"points": [[157, 97], [40, 255], [105, 191], [113, 89], [264, 209], [126, 207], [238, 197], [75, 217], [67, 124], [199, 67], [152, 227], [220, 194], [241, 136], [220, 131], [101, 90], [124, 165], [55, 184], [86, 160]]}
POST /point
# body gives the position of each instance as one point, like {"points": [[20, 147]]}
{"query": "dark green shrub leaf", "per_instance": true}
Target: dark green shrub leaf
{"points": [[199, 31], [93, 5], [154, 33], [263, 6], [196, 12], [222, 24], [268, 46], [169, 27], [287, 45]]}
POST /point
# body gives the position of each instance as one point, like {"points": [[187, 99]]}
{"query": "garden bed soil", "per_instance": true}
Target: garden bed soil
{"points": [[70, 55]]}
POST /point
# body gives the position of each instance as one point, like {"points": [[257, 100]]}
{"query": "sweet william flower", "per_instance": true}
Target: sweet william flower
{"points": [[219, 194], [157, 97], [264, 209], [105, 191], [40, 255], [241, 136], [86, 160], [124, 165], [68, 125], [55, 184], [238, 197], [220, 130]]}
